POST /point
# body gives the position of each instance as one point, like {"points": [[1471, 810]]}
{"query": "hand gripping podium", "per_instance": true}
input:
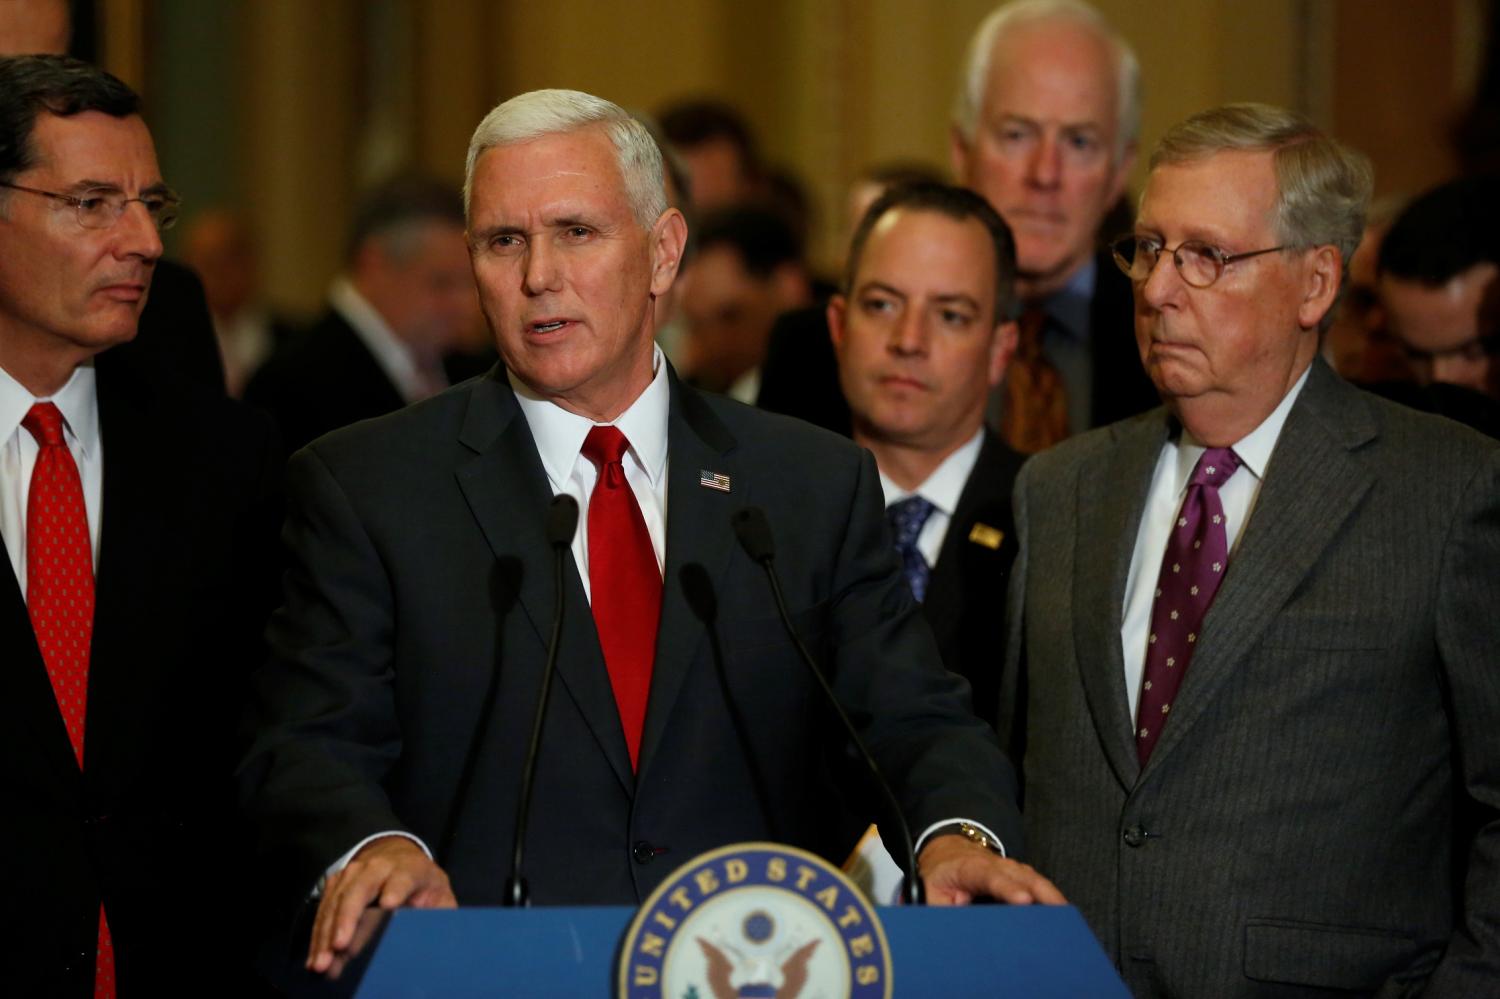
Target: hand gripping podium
{"points": [[981, 950]]}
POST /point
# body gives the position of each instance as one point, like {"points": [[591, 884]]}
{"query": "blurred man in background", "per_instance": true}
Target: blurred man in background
{"points": [[1045, 127], [221, 248], [747, 270], [406, 300]]}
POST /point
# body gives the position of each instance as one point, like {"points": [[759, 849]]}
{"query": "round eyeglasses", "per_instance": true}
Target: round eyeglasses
{"points": [[101, 207], [1199, 263]]}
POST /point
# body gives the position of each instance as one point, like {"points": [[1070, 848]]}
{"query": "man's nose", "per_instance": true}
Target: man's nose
{"points": [[136, 233], [909, 334], [541, 268], [1044, 168], [1163, 282]]}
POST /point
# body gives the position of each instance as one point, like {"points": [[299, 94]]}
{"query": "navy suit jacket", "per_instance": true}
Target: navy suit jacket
{"points": [[421, 591]]}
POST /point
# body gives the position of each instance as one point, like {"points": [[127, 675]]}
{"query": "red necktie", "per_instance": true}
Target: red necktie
{"points": [[60, 598], [624, 581]]}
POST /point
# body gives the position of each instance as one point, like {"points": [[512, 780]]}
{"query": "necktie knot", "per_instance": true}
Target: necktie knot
{"points": [[1215, 467], [605, 445], [907, 518], [44, 421]]}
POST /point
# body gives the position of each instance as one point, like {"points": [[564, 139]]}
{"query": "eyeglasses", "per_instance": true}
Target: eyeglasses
{"points": [[101, 207], [1199, 263]]}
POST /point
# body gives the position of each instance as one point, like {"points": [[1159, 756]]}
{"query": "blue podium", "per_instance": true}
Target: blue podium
{"points": [[981, 950]]}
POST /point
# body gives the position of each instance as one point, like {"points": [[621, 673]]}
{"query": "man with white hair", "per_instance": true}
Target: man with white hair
{"points": [[407, 659], [1257, 705], [1045, 126]]}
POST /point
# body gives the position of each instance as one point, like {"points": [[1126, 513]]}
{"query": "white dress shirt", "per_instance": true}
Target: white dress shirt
{"points": [[413, 379], [1174, 467], [18, 450], [942, 489], [559, 437]]}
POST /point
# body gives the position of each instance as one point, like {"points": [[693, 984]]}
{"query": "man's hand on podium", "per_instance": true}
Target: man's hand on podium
{"points": [[957, 870], [391, 872]]}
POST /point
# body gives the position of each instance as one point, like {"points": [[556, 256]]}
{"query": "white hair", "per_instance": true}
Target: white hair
{"points": [[1009, 17], [551, 112]]}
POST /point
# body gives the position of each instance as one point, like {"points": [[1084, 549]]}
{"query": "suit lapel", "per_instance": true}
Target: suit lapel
{"points": [[1111, 500], [507, 492], [1311, 486], [25, 690], [698, 533], [985, 500]]}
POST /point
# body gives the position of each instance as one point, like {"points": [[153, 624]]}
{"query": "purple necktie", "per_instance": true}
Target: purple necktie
{"points": [[1197, 555]]}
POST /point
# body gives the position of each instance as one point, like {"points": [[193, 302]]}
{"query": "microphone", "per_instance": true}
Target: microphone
{"points": [[562, 522], [754, 534]]}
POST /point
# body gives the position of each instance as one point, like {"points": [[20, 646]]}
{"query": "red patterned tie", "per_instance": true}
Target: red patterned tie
{"points": [[624, 581], [60, 598]]}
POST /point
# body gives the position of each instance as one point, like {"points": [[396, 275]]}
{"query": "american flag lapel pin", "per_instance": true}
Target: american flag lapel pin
{"points": [[713, 480]]}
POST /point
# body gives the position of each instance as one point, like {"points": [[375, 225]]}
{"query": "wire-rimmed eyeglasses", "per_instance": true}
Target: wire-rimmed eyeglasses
{"points": [[101, 207], [1199, 263]]}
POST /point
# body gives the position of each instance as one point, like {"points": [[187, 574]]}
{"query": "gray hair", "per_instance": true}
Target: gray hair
{"points": [[1020, 13], [551, 112], [1323, 187]]}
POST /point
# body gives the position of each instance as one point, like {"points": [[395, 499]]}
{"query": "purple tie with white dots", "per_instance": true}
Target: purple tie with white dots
{"points": [[1191, 570]]}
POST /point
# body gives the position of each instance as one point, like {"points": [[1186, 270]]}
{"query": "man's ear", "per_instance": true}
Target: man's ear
{"points": [[668, 240], [1002, 348], [837, 309], [790, 286], [958, 154], [1323, 271], [1121, 179]]}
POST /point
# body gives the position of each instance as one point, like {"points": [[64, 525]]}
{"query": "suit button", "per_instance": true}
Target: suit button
{"points": [[1135, 836], [643, 852]]}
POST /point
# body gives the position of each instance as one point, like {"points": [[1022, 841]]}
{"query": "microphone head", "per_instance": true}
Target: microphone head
{"points": [[562, 520], [754, 532]]}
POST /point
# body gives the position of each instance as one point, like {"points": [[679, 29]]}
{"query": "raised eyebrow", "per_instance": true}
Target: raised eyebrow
{"points": [[957, 298], [490, 232], [880, 286], [160, 190]]}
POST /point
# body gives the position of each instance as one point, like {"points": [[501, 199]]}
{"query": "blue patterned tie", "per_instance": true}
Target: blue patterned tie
{"points": [[907, 518]]}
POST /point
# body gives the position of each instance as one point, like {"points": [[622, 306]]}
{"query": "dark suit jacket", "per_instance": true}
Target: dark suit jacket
{"points": [[966, 594], [183, 589], [800, 375], [421, 577], [1323, 808], [325, 379], [176, 331]]}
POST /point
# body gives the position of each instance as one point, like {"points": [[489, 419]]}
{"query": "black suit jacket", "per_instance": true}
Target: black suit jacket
{"points": [[184, 579], [323, 380], [965, 603], [421, 591], [800, 375]]}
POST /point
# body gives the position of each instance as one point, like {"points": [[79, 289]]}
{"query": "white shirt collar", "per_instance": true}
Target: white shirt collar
{"points": [[946, 483], [1254, 449], [76, 400], [390, 351], [559, 434]]}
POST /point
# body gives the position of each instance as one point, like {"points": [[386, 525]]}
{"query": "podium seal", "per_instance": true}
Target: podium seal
{"points": [[755, 920]]}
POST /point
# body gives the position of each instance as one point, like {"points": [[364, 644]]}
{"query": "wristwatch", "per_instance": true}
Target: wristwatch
{"points": [[972, 833]]}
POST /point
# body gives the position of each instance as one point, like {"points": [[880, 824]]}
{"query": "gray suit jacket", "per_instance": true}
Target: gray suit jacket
{"points": [[1321, 810]]}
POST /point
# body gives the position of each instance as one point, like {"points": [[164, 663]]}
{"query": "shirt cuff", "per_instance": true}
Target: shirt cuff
{"points": [[944, 823], [342, 862]]}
